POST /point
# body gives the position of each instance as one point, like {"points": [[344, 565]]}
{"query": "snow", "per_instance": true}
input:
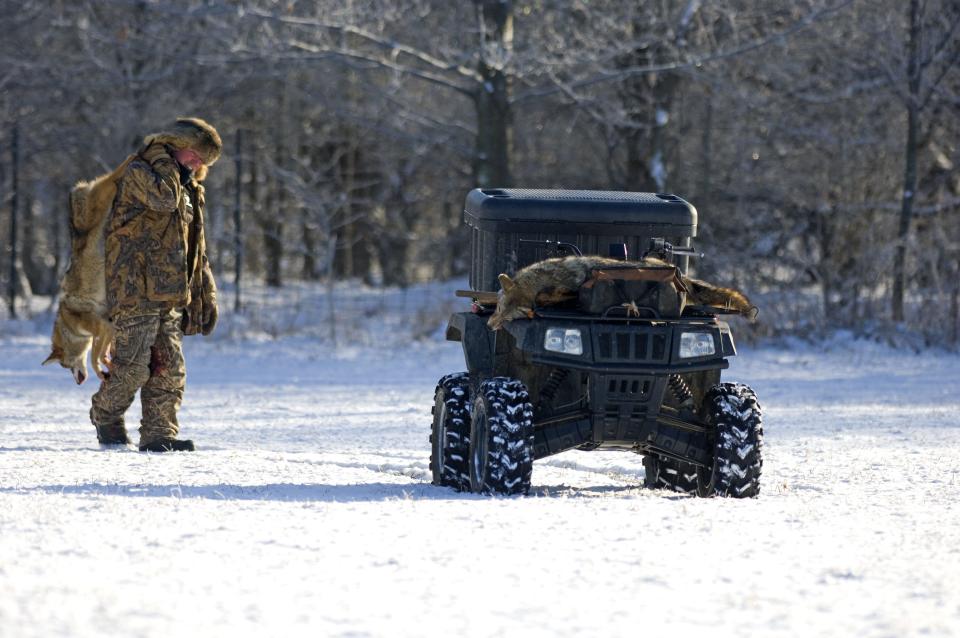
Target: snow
{"points": [[308, 509]]}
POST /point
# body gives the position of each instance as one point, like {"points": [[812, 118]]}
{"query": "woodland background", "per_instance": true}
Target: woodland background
{"points": [[817, 138]]}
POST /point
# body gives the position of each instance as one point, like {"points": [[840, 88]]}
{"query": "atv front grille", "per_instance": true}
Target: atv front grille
{"points": [[630, 388], [622, 404], [623, 344]]}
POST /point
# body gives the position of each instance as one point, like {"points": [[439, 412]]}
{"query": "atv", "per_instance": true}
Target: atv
{"points": [[628, 365]]}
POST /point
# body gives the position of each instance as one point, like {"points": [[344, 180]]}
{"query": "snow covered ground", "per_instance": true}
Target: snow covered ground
{"points": [[308, 509]]}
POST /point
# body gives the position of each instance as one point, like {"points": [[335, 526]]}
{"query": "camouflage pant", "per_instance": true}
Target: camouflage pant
{"points": [[147, 356]]}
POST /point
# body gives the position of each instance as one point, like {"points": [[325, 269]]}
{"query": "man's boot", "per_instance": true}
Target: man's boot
{"points": [[112, 435], [168, 445]]}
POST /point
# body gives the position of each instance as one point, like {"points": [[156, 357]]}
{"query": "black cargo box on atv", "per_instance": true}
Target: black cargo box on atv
{"points": [[506, 222]]}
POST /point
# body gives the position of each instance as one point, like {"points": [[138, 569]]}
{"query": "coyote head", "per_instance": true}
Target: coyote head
{"points": [[69, 347], [513, 302]]}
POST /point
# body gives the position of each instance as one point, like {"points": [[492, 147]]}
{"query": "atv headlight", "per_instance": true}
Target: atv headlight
{"points": [[696, 344], [565, 340]]}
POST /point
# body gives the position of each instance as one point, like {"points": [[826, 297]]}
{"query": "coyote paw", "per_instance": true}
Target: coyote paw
{"points": [[103, 368], [632, 309]]}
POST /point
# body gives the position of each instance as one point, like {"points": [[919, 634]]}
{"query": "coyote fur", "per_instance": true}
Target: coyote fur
{"points": [[556, 280], [82, 323]]}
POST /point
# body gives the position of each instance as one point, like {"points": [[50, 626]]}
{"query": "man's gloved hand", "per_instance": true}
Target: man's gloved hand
{"points": [[210, 315], [210, 312]]}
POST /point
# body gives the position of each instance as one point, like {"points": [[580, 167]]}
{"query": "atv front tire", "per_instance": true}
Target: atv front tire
{"points": [[450, 434], [738, 445], [735, 414], [501, 438]]}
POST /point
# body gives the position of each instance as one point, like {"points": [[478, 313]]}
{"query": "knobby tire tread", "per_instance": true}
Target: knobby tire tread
{"points": [[454, 391], [509, 414]]}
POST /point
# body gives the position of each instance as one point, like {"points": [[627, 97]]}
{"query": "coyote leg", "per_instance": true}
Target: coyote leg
{"points": [[102, 345]]}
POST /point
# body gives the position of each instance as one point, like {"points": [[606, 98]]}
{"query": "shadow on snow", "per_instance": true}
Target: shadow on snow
{"points": [[311, 492]]}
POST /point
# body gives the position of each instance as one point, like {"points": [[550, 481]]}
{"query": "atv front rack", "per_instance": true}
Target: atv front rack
{"points": [[482, 297]]}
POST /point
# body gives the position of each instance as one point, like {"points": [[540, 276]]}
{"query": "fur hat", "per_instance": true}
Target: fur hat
{"points": [[192, 133]]}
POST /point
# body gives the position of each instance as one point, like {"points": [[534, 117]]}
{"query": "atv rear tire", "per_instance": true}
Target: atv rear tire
{"points": [[450, 434], [501, 438], [661, 472], [738, 447]]}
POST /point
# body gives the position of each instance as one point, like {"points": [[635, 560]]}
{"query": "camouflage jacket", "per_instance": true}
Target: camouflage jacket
{"points": [[155, 252]]}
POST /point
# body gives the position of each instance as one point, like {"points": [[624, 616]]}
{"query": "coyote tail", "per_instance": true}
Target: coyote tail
{"points": [[706, 294]]}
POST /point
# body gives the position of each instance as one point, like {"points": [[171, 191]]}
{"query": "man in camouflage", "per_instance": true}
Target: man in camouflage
{"points": [[159, 283]]}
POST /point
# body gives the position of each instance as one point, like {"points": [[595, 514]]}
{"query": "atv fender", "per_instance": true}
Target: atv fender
{"points": [[478, 341]]}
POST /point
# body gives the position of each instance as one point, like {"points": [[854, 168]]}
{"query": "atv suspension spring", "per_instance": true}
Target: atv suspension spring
{"points": [[680, 389], [552, 384]]}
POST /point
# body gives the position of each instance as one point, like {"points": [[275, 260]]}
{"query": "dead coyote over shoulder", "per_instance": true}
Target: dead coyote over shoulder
{"points": [[558, 279], [82, 323]]}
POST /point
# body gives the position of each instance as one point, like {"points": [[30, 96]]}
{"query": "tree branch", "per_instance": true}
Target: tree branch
{"points": [[691, 63], [395, 48]]}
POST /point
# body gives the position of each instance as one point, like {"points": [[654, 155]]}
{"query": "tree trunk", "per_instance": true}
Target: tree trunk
{"points": [[353, 255], [58, 249], [15, 188], [647, 101], [825, 272], [331, 254], [251, 253], [393, 260], [271, 223], [392, 243], [638, 177], [238, 223], [910, 162], [272, 218], [309, 270], [34, 270], [346, 167], [955, 307], [706, 151], [494, 146]]}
